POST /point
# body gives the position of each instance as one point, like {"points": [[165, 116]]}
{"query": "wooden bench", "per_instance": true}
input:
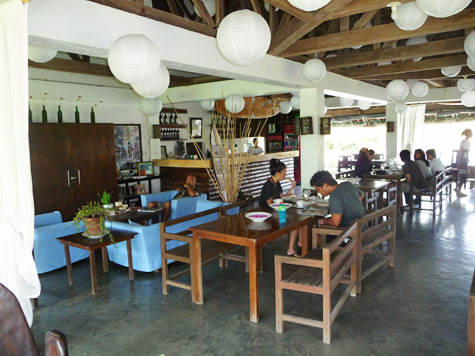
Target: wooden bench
{"points": [[440, 188], [319, 272]]}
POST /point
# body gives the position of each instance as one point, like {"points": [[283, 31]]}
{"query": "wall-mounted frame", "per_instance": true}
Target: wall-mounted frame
{"points": [[145, 168], [196, 127], [390, 126], [325, 125], [163, 152], [128, 144]]}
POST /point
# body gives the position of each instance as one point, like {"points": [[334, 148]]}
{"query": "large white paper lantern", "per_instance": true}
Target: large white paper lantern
{"points": [[345, 102], [243, 37], [397, 90], [368, 25], [41, 55], [420, 89], [207, 105], [471, 63], [469, 44], [314, 70], [364, 105], [410, 17], [234, 103], [451, 71], [401, 108], [156, 86], [295, 101], [151, 107], [442, 8], [465, 84], [210, 6], [285, 107], [309, 5], [412, 82], [415, 41], [468, 99], [134, 59]]}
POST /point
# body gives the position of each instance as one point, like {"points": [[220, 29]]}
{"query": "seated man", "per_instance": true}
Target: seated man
{"points": [[364, 163], [187, 190], [435, 164], [345, 199], [414, 179]]}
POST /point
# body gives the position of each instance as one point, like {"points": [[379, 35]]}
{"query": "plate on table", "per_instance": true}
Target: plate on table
{"points": [[258, 216], [85, 234], [276, 206]]}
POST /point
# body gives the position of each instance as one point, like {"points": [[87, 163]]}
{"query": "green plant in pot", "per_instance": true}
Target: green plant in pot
{"points": [[94, 215], [105, 199]]}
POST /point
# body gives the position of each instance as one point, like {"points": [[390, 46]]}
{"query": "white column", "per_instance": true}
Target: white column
{"points": [[392, 138], [311, 146]]}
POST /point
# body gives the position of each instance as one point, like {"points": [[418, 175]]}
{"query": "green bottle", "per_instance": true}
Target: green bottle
{"points": [[30, 114], [93, 116], [60, 115], [44, 115], [76, 115]]}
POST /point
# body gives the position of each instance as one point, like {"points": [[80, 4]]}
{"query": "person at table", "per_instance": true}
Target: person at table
{"points": [[414, 179], [272, 190], [462, 161], [435, 164], [255, 149], [422, 163], [364, 164], [345, 199], [186, 190]]}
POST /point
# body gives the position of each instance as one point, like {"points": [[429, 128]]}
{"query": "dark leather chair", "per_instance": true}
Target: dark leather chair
{"points": [[16, 338]]}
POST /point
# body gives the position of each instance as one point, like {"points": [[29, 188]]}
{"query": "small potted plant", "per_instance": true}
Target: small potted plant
{"points": [[93, 215], [105, 200]]}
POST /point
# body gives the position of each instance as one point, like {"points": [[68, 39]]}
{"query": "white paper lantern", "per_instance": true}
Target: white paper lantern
{"points": [[285, 107], [364, 105], [368, 25], [243, 37], [410, 17], [412, 82], [134, 59], [451, 71], [207, 105], [151, 107], [415, 41], [471, 63], [401, 108], [234, 103], [41, 55], [295, 102], [309, 5], [468, 99], [346, 102], [469, 44], [442, 8], [210, 6], [420, 89], [465, 84], [397, 90], [314, 70], [156, 86]]}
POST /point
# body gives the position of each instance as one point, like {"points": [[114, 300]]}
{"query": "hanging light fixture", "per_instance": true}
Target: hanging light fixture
{"points": [[469, 44], [210, 6], [285, 107], [471, 63], [207, 105], [41, 55], [410, 17], [442, 8], [345, 102], [397, 90], [295, 101], [234, 103], [151, 107], [465, 84], [451, 71], [243, 37], [364, 105], [415, 41], [309, 5], [468, 99], [401, 108], [420, 89], [314, 70], [156, 86]]}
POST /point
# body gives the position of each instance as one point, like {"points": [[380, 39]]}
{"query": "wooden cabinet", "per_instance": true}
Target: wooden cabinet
{"points": [[70, 164]]}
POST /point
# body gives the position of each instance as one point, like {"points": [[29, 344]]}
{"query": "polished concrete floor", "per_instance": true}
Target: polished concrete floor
{"points": [[417, 308]]}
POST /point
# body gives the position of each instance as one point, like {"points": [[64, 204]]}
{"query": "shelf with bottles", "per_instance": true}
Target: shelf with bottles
{"points": [[166, 134]]}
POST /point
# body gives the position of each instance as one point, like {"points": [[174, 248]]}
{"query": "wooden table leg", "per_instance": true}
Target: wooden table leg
{"points": [[129, 256], [105, 260], [196, 272], [304, 233], [399, 196], [253, 290], [92, 262], [68, 265]]}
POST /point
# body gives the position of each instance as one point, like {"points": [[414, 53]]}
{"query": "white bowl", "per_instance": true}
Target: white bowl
{"points": [[276, 206], [258, 216]]}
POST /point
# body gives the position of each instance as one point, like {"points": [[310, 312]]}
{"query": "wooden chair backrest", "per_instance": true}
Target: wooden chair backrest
{"points": [[381, 221]]}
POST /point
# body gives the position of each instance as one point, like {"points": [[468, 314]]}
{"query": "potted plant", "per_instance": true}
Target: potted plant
{"points": [[93, 215], [105, 200]]}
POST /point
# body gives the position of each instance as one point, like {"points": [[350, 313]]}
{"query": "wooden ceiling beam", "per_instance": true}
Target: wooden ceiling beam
{"points": [[365, 19], [375, 110], [345, 24], [200, 6], [272, 19], [219, 11], [284, 20], [72, 66], [361, 6], [256, 6], [429, 74], [378, 34], [285, 6], [173, 7]]}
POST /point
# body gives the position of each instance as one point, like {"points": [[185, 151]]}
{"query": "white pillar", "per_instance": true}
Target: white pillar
{"points": [[311, 146], [392, 138]]}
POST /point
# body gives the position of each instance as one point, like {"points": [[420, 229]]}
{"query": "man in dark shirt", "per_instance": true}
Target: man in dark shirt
{"points": [[414, 179]]}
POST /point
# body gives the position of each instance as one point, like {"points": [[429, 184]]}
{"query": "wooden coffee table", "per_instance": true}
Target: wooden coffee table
{"points": [[79, 241], [138, 216]]}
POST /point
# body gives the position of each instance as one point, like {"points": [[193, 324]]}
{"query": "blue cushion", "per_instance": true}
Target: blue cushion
{"points": [[185, 206], [161, 197], [203, 205], [48, 219]]}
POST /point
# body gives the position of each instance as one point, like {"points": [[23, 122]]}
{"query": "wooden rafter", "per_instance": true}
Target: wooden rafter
{"points": [[173, 7], [434, 74], [272, 19], [438, 84], [219, 11], [256, 6], [365, 19], [200, 6], [344, 24], [284, 20], [375, 110], [361, 6]]}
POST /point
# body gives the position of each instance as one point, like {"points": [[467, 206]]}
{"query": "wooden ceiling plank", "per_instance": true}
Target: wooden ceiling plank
{"points": [[421, 75], [219, 11], [283, 21], [256, 6], [365, 19], [200, 6], [285, 6], [360, 6], [173, 7], [354, 111], [434, 83], [272, 19], [377, 34], [376, 22], [72, 66], [345, 24]]}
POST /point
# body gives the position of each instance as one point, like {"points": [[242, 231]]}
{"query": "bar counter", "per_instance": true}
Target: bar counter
{"points": [[173, 173]]}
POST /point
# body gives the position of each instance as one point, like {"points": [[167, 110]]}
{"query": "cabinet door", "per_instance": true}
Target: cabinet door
{"points": [[93, 152], [50, 163]]}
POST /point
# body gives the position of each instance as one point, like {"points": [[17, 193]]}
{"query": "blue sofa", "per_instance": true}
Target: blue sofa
{"points": [[49, 252], [179, 207]]}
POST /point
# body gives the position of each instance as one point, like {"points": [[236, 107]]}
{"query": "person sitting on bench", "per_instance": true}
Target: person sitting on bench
{"points": [[186, 190], [414, 180]]}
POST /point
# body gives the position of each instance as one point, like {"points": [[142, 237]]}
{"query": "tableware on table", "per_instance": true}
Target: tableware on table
{"points": [[300, 204], [276, 206], [85, 234], [258, 216], [278, 201]]}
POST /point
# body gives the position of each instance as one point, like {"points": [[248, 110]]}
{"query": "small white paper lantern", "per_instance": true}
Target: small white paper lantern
{"points": [[412, 82], [471, 63], [397, 90], [243, 37], [156, 86], [41, 55], [309, 5], [442, 8], [345, 102], [134, 59], [451, 71], [420, 89], [468, 99], [314, 70], [285, 107], [207, 105], [410, 17], [368, 25], [469, 44], [210, 6], [267, 7], [465, 84], [234, 103], [151, 107], [295, 101], [401, 108], [415, 41], [364, 105]]}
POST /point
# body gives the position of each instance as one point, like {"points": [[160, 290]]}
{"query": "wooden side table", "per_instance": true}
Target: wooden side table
{"points": [[79, 241]]}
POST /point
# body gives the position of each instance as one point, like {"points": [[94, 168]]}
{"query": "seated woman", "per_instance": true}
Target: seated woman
{"points": [[422, 163], [273, 190], [364, 163]]}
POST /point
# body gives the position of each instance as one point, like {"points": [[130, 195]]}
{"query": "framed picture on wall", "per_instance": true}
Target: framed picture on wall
{"points": [[128, 144], [196, 127], [145, 168]]}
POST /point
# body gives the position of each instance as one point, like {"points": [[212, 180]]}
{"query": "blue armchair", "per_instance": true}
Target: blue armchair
{"points": [[161, 197], [179, 207]]}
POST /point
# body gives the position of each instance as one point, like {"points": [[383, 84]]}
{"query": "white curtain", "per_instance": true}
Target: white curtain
{"points": [[17, 267], [412, 123]]}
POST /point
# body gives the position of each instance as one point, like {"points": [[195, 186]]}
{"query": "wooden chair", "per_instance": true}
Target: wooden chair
{"points": [[320, 272], [16, 338], [441, 186]]}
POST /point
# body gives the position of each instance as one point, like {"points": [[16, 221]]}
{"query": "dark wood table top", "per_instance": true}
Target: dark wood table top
{"points": [[137, 216], [77, 240], [373, 184], [391, 175]]}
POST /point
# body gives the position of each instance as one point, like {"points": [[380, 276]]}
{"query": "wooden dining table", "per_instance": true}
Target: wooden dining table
{"points": [[241, 231], [395, 176]]}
